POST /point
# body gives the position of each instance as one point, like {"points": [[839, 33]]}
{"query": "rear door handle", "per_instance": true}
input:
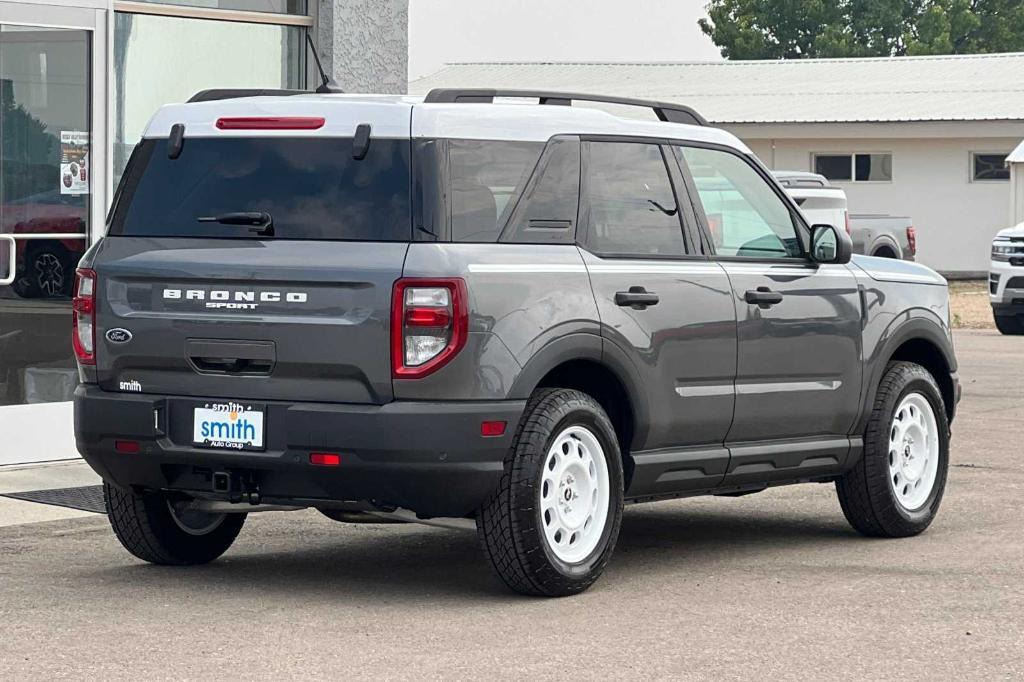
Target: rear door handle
{"points": [[637, 298], [763, 297]]}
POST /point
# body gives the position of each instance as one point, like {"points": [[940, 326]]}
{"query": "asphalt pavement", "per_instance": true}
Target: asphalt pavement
{"points": [[774, 585]]}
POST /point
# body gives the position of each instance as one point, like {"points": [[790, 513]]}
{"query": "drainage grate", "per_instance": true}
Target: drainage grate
{"points": [[86, 498]]}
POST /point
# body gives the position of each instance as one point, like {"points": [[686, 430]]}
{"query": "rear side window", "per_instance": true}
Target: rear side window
{"points": [[312, 188], [632, 204], [546, 213], [487, 177]]}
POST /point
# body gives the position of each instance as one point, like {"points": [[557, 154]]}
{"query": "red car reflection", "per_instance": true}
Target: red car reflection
{"points": [[44, 268]]}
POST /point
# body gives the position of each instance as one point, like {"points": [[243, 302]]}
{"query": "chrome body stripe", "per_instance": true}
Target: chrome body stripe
{"points": [[710, 390], [786, 387], [706, 391]]}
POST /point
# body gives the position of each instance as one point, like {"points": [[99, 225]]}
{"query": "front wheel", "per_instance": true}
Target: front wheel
{"points": [[896, 488], [168, 531], [551, 526]]}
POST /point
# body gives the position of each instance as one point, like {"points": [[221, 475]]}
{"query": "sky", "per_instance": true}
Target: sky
{"points": [[443, 31]]}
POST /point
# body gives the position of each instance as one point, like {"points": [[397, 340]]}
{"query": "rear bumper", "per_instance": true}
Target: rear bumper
{"points": [[425, 456]]}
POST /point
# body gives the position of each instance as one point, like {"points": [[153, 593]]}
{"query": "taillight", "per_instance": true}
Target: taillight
{"points": [[83, 333], [429, 324], [912, 240], [846, 218]]}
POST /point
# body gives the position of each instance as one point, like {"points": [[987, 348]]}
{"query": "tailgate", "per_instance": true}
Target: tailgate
{"points": [[246, 319]]}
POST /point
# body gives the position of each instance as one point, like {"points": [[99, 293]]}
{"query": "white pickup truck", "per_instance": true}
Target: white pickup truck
{"points": [[879, 235], [1006, 280]]}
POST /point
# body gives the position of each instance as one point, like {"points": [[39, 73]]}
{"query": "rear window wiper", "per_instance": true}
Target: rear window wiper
{"points": [[259, 222]]}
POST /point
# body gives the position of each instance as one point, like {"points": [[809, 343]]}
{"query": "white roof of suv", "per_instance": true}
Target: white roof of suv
{"points": [[390, 116]]}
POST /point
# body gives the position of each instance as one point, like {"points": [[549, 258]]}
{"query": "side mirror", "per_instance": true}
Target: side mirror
{"points": [[829, 245]]}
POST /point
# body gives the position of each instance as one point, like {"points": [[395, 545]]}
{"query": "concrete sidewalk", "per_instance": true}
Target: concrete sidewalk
{"points": [[24, 478]]}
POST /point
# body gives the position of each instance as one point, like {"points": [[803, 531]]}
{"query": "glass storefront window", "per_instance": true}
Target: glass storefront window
{"points": [[275, 6], [159, 60], [45, 189]]}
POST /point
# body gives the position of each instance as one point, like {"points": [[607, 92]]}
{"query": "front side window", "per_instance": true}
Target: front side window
{"points": [[487, 177], [987, 167], [745, 216], [633, 209], [854, 167]]}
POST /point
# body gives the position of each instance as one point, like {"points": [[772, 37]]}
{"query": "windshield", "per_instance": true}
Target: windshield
{"points": [[311, 188]]}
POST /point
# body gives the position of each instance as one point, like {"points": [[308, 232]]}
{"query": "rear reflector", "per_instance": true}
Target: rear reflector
{"points": [[127, 447], [912, 239], [324, 459], [490, 429], [271, 123]]}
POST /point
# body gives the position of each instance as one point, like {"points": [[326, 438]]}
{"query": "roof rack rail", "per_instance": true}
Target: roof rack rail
{"points": [[671, 113], [214, 94]]}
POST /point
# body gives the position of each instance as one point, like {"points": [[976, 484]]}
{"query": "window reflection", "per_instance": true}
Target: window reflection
{"points": [[45, 181], [159, 60]]}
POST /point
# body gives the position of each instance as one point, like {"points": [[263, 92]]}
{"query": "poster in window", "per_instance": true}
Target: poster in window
{"points": [[74, 162]]}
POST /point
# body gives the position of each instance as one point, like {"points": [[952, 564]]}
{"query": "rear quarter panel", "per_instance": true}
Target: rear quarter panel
{"points": [[524, 302]]}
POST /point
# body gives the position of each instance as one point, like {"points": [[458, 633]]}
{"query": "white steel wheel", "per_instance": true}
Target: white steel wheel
{"points": [[913, 451], [574, 494]]}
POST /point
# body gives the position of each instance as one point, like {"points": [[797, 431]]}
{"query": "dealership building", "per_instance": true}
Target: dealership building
{"points": [[79, 79], [924, 137]]}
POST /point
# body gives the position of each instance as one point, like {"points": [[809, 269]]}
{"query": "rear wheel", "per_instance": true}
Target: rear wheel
{"points": [[164, 530], [551, 527], [1011, 325], [896, 488]]}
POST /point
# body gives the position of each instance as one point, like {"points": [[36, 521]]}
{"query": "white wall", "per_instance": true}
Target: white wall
{"points": [[954, 217], [1016, 193]]}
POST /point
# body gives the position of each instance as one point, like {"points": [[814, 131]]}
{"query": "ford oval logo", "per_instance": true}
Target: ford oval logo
{"points": [[119, 335]]}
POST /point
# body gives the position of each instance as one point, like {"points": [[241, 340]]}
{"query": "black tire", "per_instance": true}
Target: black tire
{"points": [[48, 272], [884, 252], [865, 494], [145, 526], [1011, 325], [509, 524]]}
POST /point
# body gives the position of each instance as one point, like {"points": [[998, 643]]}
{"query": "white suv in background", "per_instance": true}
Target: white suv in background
{"points": [[1006, 280]]}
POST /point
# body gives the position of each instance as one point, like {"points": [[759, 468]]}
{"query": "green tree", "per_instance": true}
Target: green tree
{"points": [[794, 29]]}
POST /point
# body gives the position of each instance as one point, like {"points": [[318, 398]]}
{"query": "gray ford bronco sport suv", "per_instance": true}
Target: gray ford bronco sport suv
{"points": [[519, 315]]}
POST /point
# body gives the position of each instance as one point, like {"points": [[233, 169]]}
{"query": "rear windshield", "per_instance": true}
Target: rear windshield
{"points": [[311, 188]]}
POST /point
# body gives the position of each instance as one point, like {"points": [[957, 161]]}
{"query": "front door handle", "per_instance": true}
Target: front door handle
{"points": [[637, 298], [763, 297]]}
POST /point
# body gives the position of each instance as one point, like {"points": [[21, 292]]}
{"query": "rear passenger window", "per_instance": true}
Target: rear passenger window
{"points": [[632, 205], [487, 177]]}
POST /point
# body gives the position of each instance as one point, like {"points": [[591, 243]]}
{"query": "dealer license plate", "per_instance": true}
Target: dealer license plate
{"points": [[229, 425]]}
